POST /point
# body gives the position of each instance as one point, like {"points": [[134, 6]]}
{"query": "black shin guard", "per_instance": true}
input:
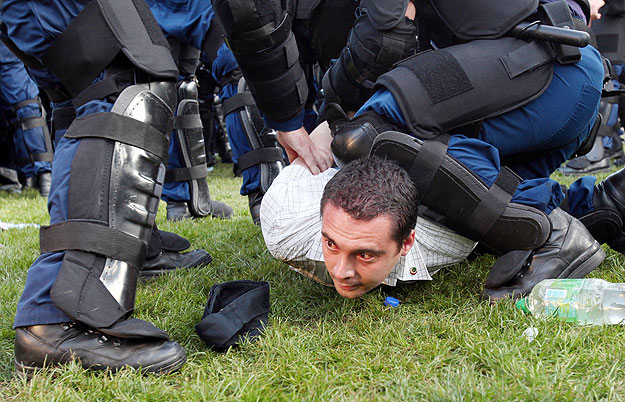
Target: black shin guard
{"points": [[191, 142], [464, 202], [115, 184]]}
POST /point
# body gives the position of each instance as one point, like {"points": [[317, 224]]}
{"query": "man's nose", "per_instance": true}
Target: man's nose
{"points": [[344, 268]]}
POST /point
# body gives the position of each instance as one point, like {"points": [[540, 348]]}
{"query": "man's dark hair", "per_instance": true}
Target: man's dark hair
{"points": [[369, 187]]}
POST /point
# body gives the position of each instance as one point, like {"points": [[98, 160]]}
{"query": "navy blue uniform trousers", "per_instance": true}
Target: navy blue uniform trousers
{"points": [[15, 87]]}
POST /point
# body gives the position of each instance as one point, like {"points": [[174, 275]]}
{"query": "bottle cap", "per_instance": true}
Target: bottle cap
{"points": [[521, 304], [391, 301]]}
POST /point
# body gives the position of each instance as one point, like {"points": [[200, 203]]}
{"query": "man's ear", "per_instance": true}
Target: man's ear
{"points": [[408, 243]]}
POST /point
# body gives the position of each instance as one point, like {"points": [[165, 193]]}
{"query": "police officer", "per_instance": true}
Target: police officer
{"points": [[110, 65], [511, 111], [21, 106]]}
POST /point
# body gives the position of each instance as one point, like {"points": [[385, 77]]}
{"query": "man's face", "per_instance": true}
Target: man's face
{"points": [[359, 254]]}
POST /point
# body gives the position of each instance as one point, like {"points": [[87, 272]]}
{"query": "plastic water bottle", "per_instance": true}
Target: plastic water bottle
{"points": [[583, 301]]}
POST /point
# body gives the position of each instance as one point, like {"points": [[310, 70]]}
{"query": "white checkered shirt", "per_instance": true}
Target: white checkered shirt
{"points": [[291, 224]]}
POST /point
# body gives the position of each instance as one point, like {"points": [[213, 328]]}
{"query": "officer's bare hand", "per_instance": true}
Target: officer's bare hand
{"points": [[595, 5], [298, 144]]}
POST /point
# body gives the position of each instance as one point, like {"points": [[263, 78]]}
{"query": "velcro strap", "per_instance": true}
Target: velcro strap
{"points": [[262, 155], [284, 84], [525, 58], [186, 174], [494, 203], [233, 76], [238, 101], [92, 237], [42, 157], [62, 118], [188, 121], [21, 104], [33, 122], [271, 41], [353, 70], [428, 161], [58, 94], [120, 128], [108, 86]]}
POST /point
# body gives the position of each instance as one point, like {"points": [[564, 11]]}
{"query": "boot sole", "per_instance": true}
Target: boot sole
{"points": [[170, 366], [587, 265]]}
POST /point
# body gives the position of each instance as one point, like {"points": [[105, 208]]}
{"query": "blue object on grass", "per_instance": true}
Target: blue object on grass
{"points": [[391, 301]]}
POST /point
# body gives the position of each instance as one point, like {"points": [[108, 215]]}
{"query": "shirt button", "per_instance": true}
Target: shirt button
{"points": [[413, 270]]}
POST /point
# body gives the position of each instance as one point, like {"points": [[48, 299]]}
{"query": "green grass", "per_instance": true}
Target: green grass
{"points": [[442, 343]]}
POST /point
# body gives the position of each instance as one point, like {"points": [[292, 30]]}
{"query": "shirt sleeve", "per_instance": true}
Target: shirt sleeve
{"points": [[289, 213]]}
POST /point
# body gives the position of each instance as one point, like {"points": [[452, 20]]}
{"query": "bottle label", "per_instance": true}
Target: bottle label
{"points": [[561, 298]]}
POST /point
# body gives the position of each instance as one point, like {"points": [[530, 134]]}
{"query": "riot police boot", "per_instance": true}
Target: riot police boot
{"points": [[570, 252], [40, 346], [607, 219], [255, 199], [597, 160], [172, 242], [44, 182], [9, 180], [220, 209], [167, 261], [177, 211], [29, 182]]}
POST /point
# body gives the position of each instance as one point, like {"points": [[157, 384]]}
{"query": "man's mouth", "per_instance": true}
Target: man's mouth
{"points": [[347, 287]]}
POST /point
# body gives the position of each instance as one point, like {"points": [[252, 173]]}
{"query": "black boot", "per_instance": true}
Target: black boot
{"points": [[606, 221], [597, 160], [570, 252], [255, 199], [29, 182], [52, 345], [179, 210], [44, 182], [167, 261]]}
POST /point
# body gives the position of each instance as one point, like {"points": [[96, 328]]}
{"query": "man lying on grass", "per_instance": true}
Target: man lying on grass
{"points": [[356, 228]]}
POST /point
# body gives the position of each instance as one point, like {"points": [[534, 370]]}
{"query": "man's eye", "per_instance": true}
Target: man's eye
{"points": [[330, 244], [366, 256]]}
